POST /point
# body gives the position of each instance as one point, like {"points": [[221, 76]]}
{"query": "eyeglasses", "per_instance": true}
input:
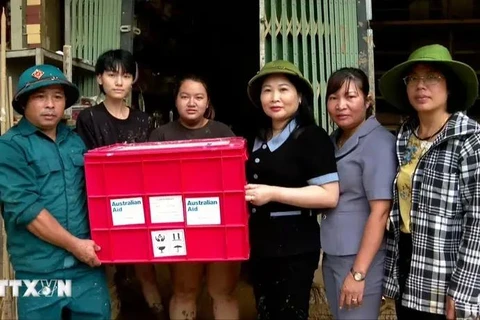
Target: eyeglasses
{"points": [[429, 80]]}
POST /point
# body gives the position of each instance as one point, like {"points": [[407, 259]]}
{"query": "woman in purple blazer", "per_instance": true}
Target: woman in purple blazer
{"points": [[352, 234]]}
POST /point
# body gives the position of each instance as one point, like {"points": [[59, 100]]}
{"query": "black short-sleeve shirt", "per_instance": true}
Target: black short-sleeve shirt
{"points": [[293, 159], [98, 128], [176, 131]]}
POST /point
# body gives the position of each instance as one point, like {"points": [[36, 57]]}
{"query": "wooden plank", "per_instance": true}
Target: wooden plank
{"points": [[38, 56], [33, 38], [263, 32], [9, 102], [67, 61], [20, 53], [8, 108], [25, 53], [51, 33], [33, 14], [33, 28], [67, 70], [68, 22], [75, 63], [371, 64], [3, 71], [17, 39], [8, 308], [433, 22]]}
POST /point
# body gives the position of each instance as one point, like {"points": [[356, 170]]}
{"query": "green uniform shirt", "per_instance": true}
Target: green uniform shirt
{"points": [[38, 173]]}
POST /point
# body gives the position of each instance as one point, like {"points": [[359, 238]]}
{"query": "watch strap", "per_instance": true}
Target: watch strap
{"points": [[355, 273]]}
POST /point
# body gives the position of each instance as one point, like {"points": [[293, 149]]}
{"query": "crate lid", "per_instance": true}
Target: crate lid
{"points": [[170, 146]]}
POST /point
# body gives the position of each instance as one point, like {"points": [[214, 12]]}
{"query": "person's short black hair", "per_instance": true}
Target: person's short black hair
{"points": [[116, 60]]}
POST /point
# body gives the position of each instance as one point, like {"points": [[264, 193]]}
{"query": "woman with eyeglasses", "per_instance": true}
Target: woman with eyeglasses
{"points": [[432, 267]]}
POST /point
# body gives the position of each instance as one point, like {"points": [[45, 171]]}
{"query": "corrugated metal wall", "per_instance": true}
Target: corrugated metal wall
{"points": [[94, 28], [319, 36]]}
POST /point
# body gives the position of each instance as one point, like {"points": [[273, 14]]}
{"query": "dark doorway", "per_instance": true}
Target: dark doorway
{"points": [[216, 39]]}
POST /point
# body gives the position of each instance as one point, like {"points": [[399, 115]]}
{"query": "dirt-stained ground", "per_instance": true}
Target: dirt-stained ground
{"points": [[135, 308]]}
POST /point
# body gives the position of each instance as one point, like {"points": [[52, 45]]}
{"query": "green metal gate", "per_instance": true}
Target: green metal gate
{"points": [[91, 27], [319, 36]]}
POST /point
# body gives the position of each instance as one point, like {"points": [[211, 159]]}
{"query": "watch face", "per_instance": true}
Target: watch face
{"points": [[358, 276]]}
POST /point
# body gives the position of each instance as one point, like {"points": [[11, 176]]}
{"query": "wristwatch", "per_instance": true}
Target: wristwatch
{"points": [[357, 276]]}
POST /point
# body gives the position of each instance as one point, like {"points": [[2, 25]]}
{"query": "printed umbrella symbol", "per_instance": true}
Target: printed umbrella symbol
{"points": [[178, 247]]}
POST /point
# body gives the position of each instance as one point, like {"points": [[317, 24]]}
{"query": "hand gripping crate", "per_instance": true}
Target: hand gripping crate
{"points": [[169, 201]]}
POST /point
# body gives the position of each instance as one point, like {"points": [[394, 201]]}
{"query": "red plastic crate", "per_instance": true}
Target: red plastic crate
{"points": [[169, 201]]}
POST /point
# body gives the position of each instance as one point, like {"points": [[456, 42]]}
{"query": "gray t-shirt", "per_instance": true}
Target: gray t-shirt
{"points": [[176, 131]]}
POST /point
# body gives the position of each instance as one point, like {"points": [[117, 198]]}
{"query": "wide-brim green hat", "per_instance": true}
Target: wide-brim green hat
{"points": [[41, 76], [393, 89], [274, 67]]}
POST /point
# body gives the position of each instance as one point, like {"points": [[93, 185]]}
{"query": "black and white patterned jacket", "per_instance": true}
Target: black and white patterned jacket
{"points": [[445, 222]]}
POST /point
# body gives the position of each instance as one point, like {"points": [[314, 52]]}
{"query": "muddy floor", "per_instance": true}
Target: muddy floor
{"points": [[134, 307]]}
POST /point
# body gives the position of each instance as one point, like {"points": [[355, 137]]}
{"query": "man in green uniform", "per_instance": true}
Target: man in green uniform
{"points": [[43, 197]]}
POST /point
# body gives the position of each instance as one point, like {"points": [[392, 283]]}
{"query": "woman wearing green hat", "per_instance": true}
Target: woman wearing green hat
{"points": [[432, 266], [291, 172]]}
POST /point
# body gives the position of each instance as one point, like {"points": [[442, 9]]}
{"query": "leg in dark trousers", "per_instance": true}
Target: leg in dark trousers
{"points": [[282, 286], [404, 313]]}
